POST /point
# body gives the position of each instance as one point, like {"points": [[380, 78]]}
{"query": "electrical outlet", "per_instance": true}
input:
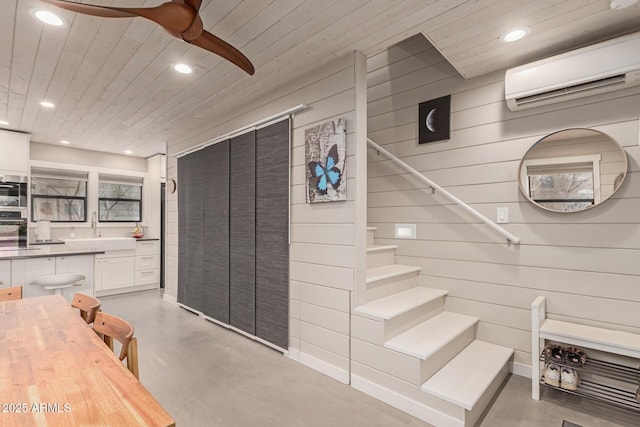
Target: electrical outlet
{"points": [[503, 216]]}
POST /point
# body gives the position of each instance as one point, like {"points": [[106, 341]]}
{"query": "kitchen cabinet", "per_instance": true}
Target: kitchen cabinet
{"points": [[147, 264], [24, 271], [114, 270], [5, 273], [14, 147], [82, 264]]}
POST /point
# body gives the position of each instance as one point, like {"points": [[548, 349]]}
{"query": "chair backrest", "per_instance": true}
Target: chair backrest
{"points": [[87, 305], [14, 292], [112, 327]]}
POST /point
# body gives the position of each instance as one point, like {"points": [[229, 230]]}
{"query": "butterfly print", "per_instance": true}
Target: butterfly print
{"points": [[328, 174]]}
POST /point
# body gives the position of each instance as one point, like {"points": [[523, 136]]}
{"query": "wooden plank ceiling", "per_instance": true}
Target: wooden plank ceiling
{"points": [[114, 89]]}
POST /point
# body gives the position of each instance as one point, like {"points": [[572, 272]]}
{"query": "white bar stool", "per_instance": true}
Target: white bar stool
{"points": [[57, 282]]}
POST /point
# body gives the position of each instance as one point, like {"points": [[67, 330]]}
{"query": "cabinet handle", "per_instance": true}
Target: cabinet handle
{"points": [[146, 272], [147, 257]]}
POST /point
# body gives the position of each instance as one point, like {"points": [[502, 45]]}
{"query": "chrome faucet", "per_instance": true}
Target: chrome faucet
{"points": [[94, 224]]}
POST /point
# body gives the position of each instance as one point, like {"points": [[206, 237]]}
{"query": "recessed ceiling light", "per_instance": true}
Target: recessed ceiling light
{"points": [[183, 68], [515, 34], [65, 142], [128, 152], [4, 123], [622, 4], [48, 17], [47, 104]]}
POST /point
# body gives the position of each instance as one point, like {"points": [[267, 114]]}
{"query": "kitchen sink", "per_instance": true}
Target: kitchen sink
{"points": [[104, 243]]}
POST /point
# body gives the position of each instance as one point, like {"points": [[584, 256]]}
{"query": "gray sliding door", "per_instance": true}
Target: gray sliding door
{"points": [[215, 231], [242, 232], [203, 227], [191, 178], [233, 224], [272, 233]]}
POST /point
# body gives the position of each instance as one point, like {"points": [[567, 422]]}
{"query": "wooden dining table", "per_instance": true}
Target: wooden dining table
{"points": [[55, 371]]}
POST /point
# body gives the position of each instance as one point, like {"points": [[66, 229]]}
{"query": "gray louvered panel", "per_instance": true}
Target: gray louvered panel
{"points": [[242, 232], [215, 285], [191, 179], [272, 233]]}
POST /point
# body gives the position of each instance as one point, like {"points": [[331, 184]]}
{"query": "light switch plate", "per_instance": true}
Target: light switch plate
{"points": [[503, 216], [404, 231]]}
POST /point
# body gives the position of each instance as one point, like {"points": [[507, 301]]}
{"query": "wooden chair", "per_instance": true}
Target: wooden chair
{"points": [[87, 305], [111, 327], [14, 292]]}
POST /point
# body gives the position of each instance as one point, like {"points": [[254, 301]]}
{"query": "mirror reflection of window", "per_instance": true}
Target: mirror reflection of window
{"points": [[572, 170]]}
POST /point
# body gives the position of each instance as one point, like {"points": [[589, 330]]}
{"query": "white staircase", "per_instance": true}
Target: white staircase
{"points": [[408, 351]]}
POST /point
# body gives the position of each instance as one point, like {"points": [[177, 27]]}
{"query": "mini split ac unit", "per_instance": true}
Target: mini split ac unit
{"points": [[599, 68]]}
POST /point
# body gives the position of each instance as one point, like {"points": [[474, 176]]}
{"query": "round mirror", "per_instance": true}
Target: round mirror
{"points": [[572, 170]]}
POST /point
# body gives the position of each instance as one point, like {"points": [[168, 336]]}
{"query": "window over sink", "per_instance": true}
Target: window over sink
{"points": [[58, 196], [120, 199]]}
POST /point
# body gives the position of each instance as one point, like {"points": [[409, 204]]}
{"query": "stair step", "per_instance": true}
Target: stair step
{"points": [[388, 271], [371, 235], [464, 380], [432, 335], [394, 305], [380, 248]]}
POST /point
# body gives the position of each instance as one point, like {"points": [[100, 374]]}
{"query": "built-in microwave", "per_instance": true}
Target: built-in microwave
{"points": [[13, 192], [13, 229]]}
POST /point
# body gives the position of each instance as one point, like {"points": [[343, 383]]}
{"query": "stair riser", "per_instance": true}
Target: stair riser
{"points": [[399, 391], [371, 237], [392, 285], [380, 258], [434, 363], [471, 417], [408, 320]]}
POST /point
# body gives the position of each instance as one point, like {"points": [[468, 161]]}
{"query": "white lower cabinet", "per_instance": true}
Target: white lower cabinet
{"points": [[5, 274], [114, 270], [148, 263], [82, 264], [24, 271]]}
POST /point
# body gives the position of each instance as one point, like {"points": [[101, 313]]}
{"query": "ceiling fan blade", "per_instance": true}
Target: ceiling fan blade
{"points": [[218, 46], [195, 4], [88, 9]]}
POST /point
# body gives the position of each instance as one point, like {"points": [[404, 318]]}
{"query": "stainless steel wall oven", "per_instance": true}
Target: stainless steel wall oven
{"points": [[13, 229], [13, 192]]}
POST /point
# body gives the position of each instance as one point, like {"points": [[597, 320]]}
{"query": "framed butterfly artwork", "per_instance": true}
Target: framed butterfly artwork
{"points": [[325, 154]]}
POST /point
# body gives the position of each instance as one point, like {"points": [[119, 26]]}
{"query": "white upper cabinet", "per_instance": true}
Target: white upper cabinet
{"points": [[14, 153]]}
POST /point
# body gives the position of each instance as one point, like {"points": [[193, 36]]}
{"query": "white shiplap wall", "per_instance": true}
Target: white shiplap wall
{"points": [[327, 242], [585, 263]]}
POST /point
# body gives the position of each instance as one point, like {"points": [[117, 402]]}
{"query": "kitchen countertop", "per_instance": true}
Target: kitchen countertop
{"points": [[43, 251]]}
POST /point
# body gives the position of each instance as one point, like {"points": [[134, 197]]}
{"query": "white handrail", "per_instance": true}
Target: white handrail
{"points": [[510, 237]]}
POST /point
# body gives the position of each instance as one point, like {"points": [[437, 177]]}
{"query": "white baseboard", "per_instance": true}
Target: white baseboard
{"points": [[520, 369], [170, 299], [411, 407], [293, 354], [324, 367]]}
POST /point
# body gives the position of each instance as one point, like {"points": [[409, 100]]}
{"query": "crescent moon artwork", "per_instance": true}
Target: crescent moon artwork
{"points": [[434, 120], [429, 123]]}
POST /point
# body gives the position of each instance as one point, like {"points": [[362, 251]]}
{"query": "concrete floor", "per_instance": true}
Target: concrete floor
{"points": [[206, 375]]}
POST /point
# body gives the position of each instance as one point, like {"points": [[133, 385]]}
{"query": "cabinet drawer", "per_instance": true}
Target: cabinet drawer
{"points": [[147, 277], [147, 247], [147, 262]]}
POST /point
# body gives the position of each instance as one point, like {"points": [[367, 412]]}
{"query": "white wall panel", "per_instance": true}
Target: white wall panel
{"points": [[584, 263]]}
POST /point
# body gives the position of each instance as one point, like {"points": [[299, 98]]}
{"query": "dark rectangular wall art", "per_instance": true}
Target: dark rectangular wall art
{"points": [[434, 120]]}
